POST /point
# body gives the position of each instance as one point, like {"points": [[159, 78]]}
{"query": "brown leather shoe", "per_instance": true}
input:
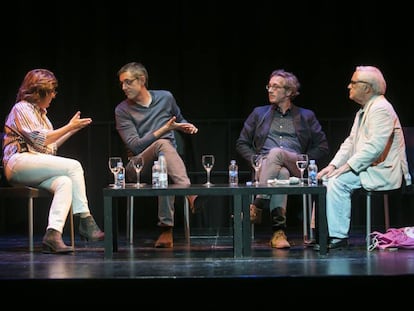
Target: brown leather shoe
{"points": [[279, 240], [255, 214], [89, 230], [165, 240], [53, 244]]}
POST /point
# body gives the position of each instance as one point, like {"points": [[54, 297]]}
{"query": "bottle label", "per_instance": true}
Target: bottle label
{"points": [[155, 179], [163, 180], [120, 178], [312, 180], [233, 177]]}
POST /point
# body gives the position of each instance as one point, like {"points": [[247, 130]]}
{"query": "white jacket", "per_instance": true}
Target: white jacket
{"points": [[375, 149]]}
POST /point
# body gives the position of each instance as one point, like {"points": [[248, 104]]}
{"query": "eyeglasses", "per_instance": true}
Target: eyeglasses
{"points": [[127, 82], [273, 87], [358, 81]]}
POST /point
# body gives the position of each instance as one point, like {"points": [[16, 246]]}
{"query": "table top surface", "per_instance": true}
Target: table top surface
{"points": [[216, 189]]}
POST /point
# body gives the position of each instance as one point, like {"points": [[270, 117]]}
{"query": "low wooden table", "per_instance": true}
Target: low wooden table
{"points": [[241, 200]]}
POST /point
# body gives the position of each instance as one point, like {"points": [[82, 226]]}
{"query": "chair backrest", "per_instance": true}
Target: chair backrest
{"points": [[409, 147], [3, 180]]}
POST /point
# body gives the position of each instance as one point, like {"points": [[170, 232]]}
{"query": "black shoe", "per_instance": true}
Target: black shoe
{"points": [[333, 243], [309, 243]]}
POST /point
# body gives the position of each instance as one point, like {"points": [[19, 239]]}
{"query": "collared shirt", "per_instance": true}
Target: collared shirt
{"points": [[282, 133], [29, 124]]}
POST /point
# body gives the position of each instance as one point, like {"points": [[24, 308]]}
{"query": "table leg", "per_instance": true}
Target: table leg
{"points": [[186, 220], [237, 227], [247, 234], [108, 228], [322, 225]]}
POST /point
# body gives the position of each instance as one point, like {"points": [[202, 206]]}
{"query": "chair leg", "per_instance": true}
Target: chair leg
{"points": [[130, 219], [311, 212], [252, 224], [368, 216], [72, 228], [30, 216], [186, 219], [386, 212], [305, 217]]}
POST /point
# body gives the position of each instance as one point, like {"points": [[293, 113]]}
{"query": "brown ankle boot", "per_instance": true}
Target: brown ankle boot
{"points": [[165, 240], [89, 230], [53, 244]]}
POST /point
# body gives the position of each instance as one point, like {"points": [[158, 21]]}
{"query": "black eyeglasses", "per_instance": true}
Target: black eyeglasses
{"points": [[273, 87], [128, 82]]}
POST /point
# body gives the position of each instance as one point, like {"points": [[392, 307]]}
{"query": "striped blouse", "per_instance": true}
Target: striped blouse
{"points": [[26, 124]]}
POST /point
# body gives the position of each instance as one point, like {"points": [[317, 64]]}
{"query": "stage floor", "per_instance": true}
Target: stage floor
{"points": [[207, 259]]}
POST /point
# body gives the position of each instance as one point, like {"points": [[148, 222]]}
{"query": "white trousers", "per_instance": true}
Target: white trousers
{"points": [[338, 203], [64, 177]]}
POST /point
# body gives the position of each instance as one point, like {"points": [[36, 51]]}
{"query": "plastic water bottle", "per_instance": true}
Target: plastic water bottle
{"points": [[312, 172], [156, 174], [163, 175], [233, 173], [120, 175]]}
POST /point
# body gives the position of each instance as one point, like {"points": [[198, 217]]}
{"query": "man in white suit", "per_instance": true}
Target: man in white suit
{"points": [[373, 156]]}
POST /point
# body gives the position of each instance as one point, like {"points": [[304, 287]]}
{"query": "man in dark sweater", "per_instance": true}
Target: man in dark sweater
{"points": [[146, 121]]}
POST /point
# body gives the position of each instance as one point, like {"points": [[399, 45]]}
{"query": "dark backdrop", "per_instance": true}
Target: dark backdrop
{"points": [[214, 56]]}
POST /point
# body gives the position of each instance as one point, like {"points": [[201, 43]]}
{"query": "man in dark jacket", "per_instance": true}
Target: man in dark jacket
{"points": [[279, 132]]}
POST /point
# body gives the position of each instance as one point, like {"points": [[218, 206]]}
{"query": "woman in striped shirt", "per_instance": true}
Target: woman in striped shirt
{"points": [[30, 158]]}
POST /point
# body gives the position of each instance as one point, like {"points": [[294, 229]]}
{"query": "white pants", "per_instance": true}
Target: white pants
{"points": [[338, 203], [63, 177]]}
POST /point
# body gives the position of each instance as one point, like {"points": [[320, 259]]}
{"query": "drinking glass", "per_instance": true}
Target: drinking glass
{"points": [[113, 166], [256, 162], [138, 163], [208, 162], [302, 163]]}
